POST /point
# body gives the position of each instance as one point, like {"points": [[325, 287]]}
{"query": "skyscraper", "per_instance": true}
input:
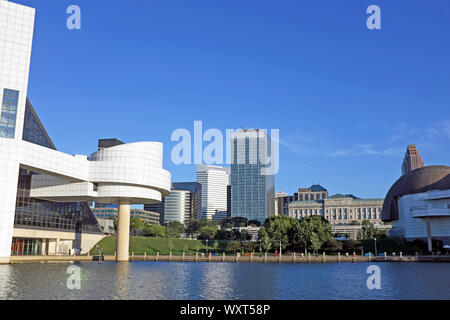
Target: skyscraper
{"points": [[214, 181], [192, 209], [195, 189], [412, 160], [252, 193]]}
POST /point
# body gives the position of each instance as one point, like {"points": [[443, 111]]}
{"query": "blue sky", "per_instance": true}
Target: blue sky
{"points": [[347, 100]]}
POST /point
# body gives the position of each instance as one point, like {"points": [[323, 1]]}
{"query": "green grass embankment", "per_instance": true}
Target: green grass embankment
{"points": [[151, 246]]}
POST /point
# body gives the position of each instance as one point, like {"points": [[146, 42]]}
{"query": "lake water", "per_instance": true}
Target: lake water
{"points": [[203, 280]]}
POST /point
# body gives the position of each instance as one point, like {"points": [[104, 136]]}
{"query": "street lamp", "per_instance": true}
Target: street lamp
{"points": [[375, 239], [280, 248], [260, 249], [206, 247]]}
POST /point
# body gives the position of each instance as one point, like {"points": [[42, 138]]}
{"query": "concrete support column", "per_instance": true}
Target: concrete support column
{"points": [[43, 246], [57, 251], [123, 231], [430, 243]]}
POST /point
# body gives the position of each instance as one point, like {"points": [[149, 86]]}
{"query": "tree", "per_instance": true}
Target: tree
{"points": [[154, 230], [136, 225], [171, 245], [352, 245], [280, 228], [245, 235], [239, 221], [312, 232], [367, 231], [233, 246], [265, 240], [333, 246], [215, 245], [207, 232], [254, 223], [316, 244], [174, 229], [192, 227]]}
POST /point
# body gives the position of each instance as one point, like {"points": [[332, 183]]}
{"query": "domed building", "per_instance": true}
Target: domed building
{"points": [[418, 205]]}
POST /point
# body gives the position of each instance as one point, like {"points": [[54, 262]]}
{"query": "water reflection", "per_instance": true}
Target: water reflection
{"points": [[122, 280], [192, 281]]}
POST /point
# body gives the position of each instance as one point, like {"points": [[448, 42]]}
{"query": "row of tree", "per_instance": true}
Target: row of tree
{"points": [[283, 232], [199, 228]]}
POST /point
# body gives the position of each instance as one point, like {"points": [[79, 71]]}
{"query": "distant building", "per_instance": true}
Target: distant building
{"points": [[178, 212], [111, 213], [195, 188], [214, 181], [220, 215], [253, 231], [339, 209], [412, 160], [108, 143], [228, 201], [252, 193], [177, 206], [418, 205], [157, 207], [282, 201], [344, 212], [315, 192]]}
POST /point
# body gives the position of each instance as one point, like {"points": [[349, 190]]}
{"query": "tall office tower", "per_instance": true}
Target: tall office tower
{"points": [[157, 207], [412, 160], [179, 210], [195, 188], [228, 201], [214, 181], [177, 206], [252, 192]]}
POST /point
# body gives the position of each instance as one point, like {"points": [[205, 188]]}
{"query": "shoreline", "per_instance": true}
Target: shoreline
{"points": [[235, 259]]}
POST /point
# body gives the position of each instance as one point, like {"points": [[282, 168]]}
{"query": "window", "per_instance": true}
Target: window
{"points": [[8, 113]]}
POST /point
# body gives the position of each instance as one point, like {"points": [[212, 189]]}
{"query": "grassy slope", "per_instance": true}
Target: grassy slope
{"points": [[139, 245]]}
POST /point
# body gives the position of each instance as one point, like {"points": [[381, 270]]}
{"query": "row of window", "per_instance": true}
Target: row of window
{"points": [[338, 210], [341, 214]]}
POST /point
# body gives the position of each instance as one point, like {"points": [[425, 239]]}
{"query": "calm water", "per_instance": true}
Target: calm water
{"points": [[176, 280]]}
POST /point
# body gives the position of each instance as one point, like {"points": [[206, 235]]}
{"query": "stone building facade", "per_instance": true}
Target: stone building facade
{"points": [[339, 209]]}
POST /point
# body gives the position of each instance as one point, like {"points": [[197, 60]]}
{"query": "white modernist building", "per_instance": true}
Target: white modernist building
{"points": [[36, 178], [214, 181], [422, 215], [418, 205]]}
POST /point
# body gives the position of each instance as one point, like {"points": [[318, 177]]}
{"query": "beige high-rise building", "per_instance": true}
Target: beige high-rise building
{"points": [[412, 160]]}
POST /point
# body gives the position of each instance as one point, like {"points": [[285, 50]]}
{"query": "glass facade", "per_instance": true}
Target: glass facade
{"points": [[26, 247], [252, 194], [33, 130], [195, 189], [8, 113], [59, 216], [177, 206]]}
